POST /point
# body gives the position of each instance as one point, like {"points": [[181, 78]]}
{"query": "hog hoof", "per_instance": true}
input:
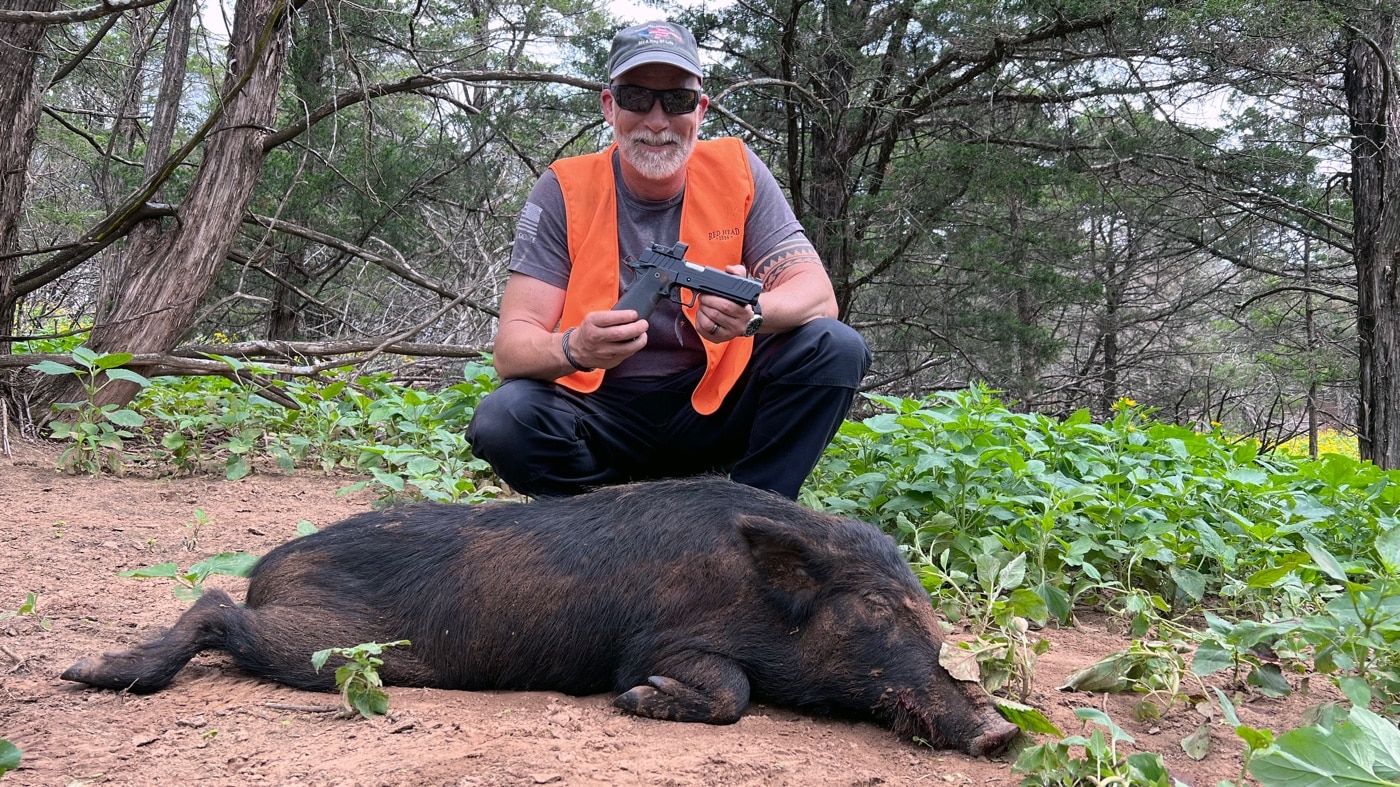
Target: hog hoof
{"points": [[109, 672], [995, 737], [669, 699]]}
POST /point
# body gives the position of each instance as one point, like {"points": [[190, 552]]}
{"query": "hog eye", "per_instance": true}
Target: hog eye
{"points": [[878, 605]]}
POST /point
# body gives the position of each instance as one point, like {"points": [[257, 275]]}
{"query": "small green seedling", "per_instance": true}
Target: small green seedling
{"points": [[201, 520], [190, 584], [30, 607], [361, 689]]}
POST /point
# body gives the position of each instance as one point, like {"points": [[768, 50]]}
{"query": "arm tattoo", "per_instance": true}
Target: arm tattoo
{"points": [[793, 250]]}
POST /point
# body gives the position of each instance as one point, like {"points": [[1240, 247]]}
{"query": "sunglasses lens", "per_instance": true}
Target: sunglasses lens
{"points": [[678, 101], [633, 98]]}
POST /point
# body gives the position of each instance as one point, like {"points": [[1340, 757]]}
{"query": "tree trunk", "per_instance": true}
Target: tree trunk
{"points": [[828, 196], [172, 84], [1109, 391], [1372, 105], [170, 266], [19, 120]]}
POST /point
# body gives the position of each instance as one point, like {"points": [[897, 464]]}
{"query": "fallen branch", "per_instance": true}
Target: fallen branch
{"points": [[268, 355]]}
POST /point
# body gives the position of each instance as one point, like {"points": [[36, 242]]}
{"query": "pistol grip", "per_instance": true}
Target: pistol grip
{"points": [[646, 291]]}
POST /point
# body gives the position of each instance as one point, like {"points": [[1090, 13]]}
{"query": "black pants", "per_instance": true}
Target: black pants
{"points": [[545, 440]]}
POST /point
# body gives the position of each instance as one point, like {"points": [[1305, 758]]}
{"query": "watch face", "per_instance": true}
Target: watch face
{"points": [[755, 322]]}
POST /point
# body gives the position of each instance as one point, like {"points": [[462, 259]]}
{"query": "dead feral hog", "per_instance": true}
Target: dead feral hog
{"points": [[687, 597]]}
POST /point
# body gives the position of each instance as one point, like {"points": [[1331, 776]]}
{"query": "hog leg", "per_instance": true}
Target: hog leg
{"points": [[151, 666], [276, 641], [704, 688], [273, 641]]}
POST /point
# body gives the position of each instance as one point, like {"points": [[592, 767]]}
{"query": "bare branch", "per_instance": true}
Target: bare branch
{"points": [[77, 59], [206, 360], [90, 139], [1331, 296], [105, 8], [399, 269], [265, 349], [416, 83]]}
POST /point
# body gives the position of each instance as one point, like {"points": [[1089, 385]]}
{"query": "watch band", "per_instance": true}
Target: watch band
{"points": [[755, 322]]}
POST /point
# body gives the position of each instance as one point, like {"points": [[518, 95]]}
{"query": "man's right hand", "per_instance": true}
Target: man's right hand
{"points": [[605, 339], [528, 340]]}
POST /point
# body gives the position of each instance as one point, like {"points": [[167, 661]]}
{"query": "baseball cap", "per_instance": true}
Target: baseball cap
{"points": [[653, 42]]}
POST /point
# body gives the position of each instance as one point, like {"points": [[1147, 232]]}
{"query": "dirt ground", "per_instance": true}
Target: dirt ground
{"points": [[66, 538]]}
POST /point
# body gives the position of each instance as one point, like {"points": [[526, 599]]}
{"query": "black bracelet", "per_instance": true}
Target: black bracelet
{"points": [[568, 356]]}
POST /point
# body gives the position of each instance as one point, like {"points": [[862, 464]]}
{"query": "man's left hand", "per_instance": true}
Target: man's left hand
{"points": [[720, 319]]}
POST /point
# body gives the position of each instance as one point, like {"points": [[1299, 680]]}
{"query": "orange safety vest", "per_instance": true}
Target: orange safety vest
{"points": [[718, 192]]}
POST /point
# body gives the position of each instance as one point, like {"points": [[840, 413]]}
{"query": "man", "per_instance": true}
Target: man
{"points": [[593, 396]]}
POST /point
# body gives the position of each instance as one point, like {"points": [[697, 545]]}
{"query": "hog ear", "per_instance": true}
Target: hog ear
{"points": [[783, 555]]}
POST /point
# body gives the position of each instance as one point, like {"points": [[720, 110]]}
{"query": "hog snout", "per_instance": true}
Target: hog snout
{"points": [[980, 732], [997, 734]]}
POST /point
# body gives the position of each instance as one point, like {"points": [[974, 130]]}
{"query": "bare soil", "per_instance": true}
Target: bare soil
{"points": [[66, 538]]}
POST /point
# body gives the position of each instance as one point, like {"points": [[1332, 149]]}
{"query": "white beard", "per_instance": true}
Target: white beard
{"points": [[657, 164]]}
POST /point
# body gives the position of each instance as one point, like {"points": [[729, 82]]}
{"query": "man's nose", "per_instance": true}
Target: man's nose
{"points": [[656, 117]]}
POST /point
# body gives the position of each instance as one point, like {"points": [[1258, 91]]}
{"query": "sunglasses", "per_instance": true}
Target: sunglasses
{"points": [[676, 101]]}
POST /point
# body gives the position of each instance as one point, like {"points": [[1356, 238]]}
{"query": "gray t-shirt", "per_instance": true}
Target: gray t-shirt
{"points": [[542, 252]]}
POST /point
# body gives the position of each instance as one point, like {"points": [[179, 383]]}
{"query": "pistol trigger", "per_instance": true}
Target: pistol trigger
{"points": [[676, 296]]}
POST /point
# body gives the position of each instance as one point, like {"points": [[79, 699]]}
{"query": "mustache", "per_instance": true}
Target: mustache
{"points": [[661, 138]]}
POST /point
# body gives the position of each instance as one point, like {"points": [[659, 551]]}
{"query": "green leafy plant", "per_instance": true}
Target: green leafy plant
{"points": [[1055, 764], [999, 612], [1294, 563], [992, 597], [190, 583], [1026, 717], [1356, 634], [361, 689], [199, 418], [29, 607], [1353, 634], [1248, 648], [1140, 609], [1348, 749], [98, 432], [1255, 740], [409, 442], [419, 448], [1101, 510]]}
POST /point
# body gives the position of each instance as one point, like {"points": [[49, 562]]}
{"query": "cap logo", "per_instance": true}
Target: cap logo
{"points": [[661, 34]]}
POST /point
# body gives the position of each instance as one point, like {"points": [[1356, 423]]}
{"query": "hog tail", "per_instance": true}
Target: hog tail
{"points": [[152, 665]]}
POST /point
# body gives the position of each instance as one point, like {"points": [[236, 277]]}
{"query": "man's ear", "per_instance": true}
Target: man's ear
{"points": [[609, 107]]}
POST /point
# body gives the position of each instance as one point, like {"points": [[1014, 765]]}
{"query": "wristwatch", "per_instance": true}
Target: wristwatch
{"points": [[755, 322]]}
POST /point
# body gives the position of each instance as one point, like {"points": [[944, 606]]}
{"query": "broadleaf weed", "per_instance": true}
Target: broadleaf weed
{"points": [[361, 688]]}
